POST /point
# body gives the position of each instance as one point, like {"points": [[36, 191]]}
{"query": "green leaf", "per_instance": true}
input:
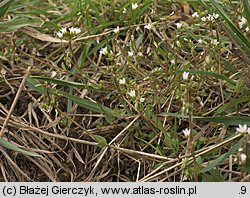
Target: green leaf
{"points": [[217, 161], [80, 101], [4, 6], [246, 10], [232, 103], [68, 83], [16, 23], [11, 146], [101, 141]]}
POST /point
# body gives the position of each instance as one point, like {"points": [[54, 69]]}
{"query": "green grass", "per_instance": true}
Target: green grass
{"points": [[93, 114]]}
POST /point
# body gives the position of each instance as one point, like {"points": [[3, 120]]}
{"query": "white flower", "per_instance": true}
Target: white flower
{"points": [[241, 24], [116, 30], [134, 6], [131, 93], [243, 157], [186, 132], [172, 13], [53, 74], [203, 19], [59, 34], [124, 11], [216, 16], [215, 42], [130, 53], [172, 61], [104, 51], [122, 81], [142, 99], [242, 128], [248, 130], [243, 20], [185, 75], [210, 17], [148, 26], [200, 41], [247, 29], [74, 31], [63, 30], [179, 25], [195, 15]]}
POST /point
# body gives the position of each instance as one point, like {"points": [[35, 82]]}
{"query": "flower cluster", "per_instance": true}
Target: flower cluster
{"points": [[210, 17], [70, 32]]}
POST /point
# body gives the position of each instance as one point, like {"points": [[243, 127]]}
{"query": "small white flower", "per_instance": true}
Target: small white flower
{"points": [[215, 42], [241, 24], [179, 25], [142, 99], [243, 157], [210, 17], [130, 53], [172, 61], [116, 30], [131, 93], [248, 130], [124, 11], [200, 41], [195, 15], [247, 29], [240, 149], [53, 74], [59, 34], [243, 20], [134, 6], [63, 30], [122, 81], [185, 75], [186, 132], [216, 16], [242, 128], [203, 19], [74, 31], [148, 26], [104, 51]]}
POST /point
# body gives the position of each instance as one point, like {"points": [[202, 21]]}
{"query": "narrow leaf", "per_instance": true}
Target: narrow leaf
{"points": [[4, 5], [217, 161], [11, 146]]}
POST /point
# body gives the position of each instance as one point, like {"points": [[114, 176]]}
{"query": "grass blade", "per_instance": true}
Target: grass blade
{"points": [[11, 146], [246, 10], [82, 102], [16, 23], [4, 6]]}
